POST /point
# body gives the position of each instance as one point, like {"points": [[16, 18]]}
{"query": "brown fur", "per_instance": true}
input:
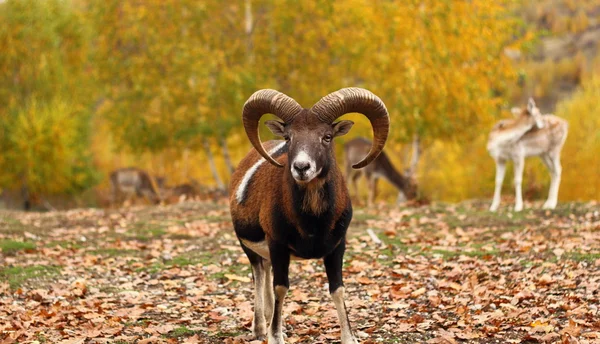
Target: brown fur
{"points": [[271, 181]]}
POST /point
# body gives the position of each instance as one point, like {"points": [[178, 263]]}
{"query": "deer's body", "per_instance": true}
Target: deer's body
{"points": [[381, 167], [529, 134], [129, 182]]}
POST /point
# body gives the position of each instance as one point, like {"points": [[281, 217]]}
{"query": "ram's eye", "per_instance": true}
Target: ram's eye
{"points": [[327, 138], [287, 138]]}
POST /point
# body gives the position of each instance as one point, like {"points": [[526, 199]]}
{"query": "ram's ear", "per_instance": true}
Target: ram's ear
{"points": [[276, 127], [342, 128]]}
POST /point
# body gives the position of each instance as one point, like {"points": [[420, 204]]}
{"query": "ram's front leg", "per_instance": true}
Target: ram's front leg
{"points": [[280, 259], [333, 267]]}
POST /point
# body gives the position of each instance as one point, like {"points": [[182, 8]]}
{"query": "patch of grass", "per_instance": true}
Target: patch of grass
{"points": [[527, 263], [395, 247], [147, 231], [10, 247], [113, 252], [40, 337], [221, 334], [362, 216], [189, 258], [235, 269], [181, 236], [582, 257], [152, 269], [212, 218], [109, 289], [17, 275], [180, 332], [14, 226], [194, 257], [65, 244]]}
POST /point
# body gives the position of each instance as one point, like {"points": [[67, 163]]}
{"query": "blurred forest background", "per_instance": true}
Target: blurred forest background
{"points": [[90, 86]]}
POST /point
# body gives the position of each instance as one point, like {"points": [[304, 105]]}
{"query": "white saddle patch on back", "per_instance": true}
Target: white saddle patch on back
{"points": [[239, 194]]}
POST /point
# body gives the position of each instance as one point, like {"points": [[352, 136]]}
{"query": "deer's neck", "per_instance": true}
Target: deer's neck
{"points": [[507, 137], [387, 170]]}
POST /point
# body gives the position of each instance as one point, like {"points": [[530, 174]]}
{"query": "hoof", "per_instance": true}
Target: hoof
{"points": [[276, 339], [549, 205], [518, 207], [259, 331]]}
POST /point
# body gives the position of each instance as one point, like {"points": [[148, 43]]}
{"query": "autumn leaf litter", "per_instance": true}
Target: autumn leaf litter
{"points": [[175, 274]]}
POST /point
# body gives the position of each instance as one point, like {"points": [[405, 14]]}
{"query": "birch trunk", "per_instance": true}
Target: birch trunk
{"points": [[186, 165], [212, 165], [416, 155], [226, 155]]}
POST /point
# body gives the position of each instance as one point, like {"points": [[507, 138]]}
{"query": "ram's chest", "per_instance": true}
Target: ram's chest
{"points": [[300, 245]]}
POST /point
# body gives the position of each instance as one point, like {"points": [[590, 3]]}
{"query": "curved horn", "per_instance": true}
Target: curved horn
{"points": [[263, 102], [354, 99]]}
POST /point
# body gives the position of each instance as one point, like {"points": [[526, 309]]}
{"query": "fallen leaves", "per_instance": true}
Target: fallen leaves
{"points": [[176, 274]]}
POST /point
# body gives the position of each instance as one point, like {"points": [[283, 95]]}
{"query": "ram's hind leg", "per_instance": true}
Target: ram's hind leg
{"points": [[333, 268], [259, 271]]}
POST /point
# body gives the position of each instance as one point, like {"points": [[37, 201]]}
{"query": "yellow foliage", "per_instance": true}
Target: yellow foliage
{"points": [[581, 165], [42, 148]]}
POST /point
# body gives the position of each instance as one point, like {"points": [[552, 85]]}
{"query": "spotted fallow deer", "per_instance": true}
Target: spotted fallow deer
{"points": [[381, 167], [529, 134]]}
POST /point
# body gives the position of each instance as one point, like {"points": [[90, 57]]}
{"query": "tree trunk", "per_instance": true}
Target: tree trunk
{"points": [[26, 197], [226, 155], [213, 166], [185, 174], [416, 155], [249, 29]]}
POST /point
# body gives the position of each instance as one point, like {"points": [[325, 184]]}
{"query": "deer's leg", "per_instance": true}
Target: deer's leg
{"points": [[519, 166], [401, 197], [354, 177], [333, 268], [372, 189], [553, 163], [259, 267], [280, 259], [113, 195], [500, 171]]}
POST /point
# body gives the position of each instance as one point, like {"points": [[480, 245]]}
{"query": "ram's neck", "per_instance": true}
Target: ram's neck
{"points": [[314, 198]]}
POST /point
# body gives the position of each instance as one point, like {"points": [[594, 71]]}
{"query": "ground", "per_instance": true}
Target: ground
{"points": [[443, 273]]}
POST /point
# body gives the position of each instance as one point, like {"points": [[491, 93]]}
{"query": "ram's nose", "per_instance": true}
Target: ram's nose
{"points": [[301, 167]]}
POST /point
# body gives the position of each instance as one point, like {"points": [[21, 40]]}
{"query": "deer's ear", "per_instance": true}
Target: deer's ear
{"points": [[515, 111], [342, 128], [276, 127]]}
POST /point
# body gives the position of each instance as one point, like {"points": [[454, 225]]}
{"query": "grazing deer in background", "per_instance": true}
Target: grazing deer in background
{"points": [[381, 167], [131, 182], [529, 134], [182, 192]]}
